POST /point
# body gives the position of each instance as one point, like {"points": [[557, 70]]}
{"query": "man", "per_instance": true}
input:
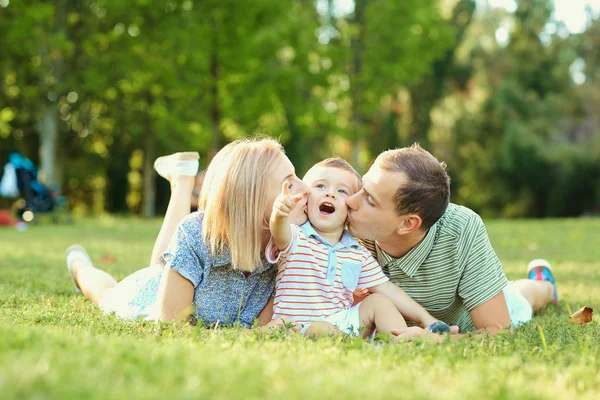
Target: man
{"points": [[439, 252]]}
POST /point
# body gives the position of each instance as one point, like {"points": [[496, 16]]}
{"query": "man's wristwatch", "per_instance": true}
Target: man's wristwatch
{"points": [[438, 327]]}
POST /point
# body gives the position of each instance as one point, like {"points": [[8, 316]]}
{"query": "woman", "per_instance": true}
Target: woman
{"points": [[214, 267]]}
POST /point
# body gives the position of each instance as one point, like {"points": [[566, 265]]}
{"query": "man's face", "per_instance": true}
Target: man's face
{"points": [[371, 213]]}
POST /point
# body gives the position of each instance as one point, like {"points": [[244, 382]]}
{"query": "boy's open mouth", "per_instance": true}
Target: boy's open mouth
{"points": [[326, 208]]}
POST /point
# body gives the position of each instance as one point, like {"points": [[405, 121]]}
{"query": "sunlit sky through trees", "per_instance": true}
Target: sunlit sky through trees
{"points": [[571, 12]]}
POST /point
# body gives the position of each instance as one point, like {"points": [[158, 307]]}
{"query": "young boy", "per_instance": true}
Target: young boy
{"points": [[321, 264]]}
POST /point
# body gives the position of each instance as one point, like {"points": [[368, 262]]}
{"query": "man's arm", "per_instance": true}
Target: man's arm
{"points": [[409, 308], [482, 279], [492, 315]]}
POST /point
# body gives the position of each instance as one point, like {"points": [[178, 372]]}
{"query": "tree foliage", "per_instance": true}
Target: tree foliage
{"points": [[94, 90]]}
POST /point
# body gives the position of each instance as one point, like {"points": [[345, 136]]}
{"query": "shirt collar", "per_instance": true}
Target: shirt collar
{"points": [[411, 261], [347, 239]]}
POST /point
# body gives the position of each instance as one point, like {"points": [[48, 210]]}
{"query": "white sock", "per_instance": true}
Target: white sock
{"points": [[181, 167]]}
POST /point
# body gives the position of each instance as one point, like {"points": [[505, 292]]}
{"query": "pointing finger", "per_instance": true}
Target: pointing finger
{"points": [[297, 198], [285, 189]]}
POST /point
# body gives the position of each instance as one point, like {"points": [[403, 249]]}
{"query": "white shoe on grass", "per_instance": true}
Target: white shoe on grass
{"points": [[185, 164]]}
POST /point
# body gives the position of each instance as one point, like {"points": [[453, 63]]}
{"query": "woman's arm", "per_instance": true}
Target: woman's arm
{"points": [[175, 296], [266, 314]]}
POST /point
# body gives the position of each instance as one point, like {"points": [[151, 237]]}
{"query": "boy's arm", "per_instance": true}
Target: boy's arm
{"points": [[279, 223], [373, 279], [409, 308]]}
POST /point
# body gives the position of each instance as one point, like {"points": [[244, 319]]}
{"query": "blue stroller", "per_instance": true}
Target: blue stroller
{"points": [[36, 198]]}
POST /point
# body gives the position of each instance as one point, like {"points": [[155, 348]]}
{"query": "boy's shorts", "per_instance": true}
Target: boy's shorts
{"points": [[519, 309], [347, 321]]}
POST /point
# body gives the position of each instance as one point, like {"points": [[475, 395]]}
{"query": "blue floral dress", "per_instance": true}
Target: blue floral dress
{"points": [[221, 293]]}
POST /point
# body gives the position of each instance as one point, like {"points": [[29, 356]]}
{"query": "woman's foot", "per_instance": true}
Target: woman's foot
{"points": [[177, 164], [77, 257]]}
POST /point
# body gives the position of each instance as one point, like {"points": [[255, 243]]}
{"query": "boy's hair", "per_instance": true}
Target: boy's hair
{"points": [[340, 163], [427, 192], [235, 196]]}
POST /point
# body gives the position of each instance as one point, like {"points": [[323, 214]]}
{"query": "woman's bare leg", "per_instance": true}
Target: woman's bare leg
{"points": [[178, 209], [92, 282], [180, 169]]}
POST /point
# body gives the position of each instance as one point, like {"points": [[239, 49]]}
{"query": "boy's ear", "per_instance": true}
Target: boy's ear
{"points": [[409, 224]]}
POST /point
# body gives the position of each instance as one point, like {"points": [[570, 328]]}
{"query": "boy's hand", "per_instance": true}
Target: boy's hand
{"points": [[279, 224], [285, 203]]}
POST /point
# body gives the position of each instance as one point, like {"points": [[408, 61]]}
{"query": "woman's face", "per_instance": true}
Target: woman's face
{"points": [[283, 170]]}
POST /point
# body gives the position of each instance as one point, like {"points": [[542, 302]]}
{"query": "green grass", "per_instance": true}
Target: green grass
{"points": [[54, 344]]}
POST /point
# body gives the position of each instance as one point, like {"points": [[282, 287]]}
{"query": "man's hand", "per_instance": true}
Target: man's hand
{"points": [[416, 332]]}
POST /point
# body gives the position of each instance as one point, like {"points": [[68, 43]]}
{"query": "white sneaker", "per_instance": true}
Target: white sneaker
{"points": [[185, 164]]}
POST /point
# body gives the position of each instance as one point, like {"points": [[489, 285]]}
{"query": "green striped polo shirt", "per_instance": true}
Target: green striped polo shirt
{"points": [[453, 270]]}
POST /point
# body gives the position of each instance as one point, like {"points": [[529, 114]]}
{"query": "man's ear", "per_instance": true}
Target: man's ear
{"points": [[409, 224]]}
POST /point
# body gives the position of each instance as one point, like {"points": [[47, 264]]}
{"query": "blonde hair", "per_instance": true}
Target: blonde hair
{"points": [[235, 196]]}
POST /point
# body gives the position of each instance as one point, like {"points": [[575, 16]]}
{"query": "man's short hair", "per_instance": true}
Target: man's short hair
{"points": [[340, 163], [427, 192]]}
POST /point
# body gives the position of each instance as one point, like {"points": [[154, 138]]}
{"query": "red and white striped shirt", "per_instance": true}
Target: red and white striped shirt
{"points": [[316, 280]]}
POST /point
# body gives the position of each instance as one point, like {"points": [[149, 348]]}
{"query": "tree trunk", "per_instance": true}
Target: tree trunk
{"points": [[425, 95], [357, 48], [215, 110], [49, 159], [116, 173], [48, 130], [149, 196], [296, 147]]}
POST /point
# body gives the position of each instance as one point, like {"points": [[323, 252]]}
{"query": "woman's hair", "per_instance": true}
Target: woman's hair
{"points": [[235, 196]]}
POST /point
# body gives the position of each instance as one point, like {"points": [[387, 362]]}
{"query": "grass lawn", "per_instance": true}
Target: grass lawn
{"points": [[54, 344]]}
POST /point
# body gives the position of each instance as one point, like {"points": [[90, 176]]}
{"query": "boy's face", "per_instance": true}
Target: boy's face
{"points": [[329, 188]]}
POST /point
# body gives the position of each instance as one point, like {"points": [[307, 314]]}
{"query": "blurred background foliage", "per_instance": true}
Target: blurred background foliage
{"points": [[94, 90]]}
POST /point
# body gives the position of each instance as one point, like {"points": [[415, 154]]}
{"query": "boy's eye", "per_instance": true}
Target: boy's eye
{"points": [[368, 201], [320, 186], [343, 191]]}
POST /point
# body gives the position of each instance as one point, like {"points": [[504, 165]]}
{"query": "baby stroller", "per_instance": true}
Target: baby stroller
{"points": [[35, 198]]}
